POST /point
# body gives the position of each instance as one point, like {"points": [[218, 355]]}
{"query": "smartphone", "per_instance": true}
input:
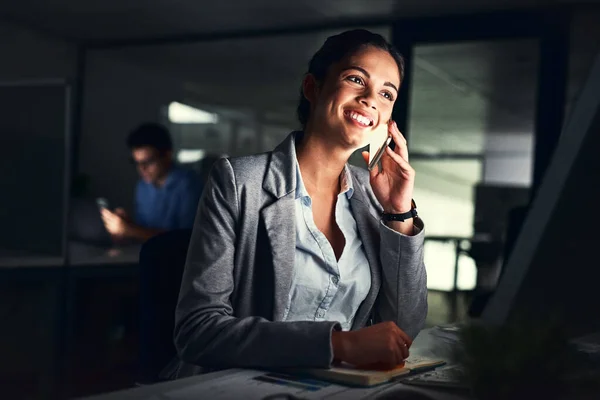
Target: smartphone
{"points": [[380, 139], [375, 159], [102, 203]]}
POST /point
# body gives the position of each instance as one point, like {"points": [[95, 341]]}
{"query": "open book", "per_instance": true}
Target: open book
{"points": [[348, 375]]}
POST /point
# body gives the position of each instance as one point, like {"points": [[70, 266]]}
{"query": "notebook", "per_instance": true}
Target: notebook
{"points": [[349, 375]]}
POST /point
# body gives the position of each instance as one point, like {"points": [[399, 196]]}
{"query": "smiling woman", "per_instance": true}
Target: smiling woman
{"points": [[337, 48], [298, 259], [359, 89]]}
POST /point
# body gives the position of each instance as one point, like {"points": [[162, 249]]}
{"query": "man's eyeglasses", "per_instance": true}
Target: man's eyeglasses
{"points": [[144, 163]]}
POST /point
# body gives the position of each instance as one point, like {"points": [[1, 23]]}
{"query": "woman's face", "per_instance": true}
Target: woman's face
{"points": [[356, 97]]}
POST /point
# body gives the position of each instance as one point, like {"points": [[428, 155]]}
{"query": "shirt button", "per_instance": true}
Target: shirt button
{"points": [[320, 314], [335, 280]]}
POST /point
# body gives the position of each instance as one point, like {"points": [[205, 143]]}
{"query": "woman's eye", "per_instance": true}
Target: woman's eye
{"points": [[356, 79], [388, 96]]}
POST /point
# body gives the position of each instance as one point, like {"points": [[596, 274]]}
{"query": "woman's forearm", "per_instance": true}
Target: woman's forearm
{"points": [[403, 294]]}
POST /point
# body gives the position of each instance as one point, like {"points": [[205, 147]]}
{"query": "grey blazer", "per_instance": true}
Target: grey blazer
{"points": [[240, 267]]}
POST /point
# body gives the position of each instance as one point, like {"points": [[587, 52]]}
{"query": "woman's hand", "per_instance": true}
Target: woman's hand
{"points": [[393, 182], [380, 346]]}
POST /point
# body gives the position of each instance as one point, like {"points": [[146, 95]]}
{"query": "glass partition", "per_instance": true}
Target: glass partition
{"points": [[471, 126]]}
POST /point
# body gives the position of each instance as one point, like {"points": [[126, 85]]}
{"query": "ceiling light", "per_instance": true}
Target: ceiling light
{"points": [[184, 114], [186, 156]]}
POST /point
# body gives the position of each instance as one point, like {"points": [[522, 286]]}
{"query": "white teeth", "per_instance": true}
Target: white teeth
{"points": [[363, 120]]}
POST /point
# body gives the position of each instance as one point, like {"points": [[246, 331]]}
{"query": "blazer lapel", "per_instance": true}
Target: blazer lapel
{"points": [[280, 181], [368, 230], [282, 241]]}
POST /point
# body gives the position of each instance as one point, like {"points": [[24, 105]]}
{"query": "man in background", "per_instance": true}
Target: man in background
{"points": [[166, 195]]}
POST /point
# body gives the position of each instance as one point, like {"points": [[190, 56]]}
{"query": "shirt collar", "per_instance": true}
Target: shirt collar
{"points": [[346, 185], [300, 188]]}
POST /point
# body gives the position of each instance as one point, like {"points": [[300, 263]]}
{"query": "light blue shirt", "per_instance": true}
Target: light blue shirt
{"points": [[323, 288], [171, 206]]}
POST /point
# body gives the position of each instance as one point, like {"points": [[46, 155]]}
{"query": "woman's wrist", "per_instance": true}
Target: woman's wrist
{"points": [[339, 345], [399, 207], [403, 225], [397, 210]]}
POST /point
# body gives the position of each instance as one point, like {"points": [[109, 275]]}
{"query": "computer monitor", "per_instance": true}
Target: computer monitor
{"points": [[554, 268]]}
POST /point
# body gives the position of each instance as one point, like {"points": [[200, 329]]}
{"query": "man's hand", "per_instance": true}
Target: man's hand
{"points": [[383, 345], [120, 227], [116, 223], [123, 214]]}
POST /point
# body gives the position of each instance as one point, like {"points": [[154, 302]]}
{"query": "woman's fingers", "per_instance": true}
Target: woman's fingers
{"points": [[405, 337], [373, 173], [403, 346], [400, 140], [400, 161]]}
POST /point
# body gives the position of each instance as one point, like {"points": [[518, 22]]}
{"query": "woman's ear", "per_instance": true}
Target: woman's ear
{"points": [[310, 88]]}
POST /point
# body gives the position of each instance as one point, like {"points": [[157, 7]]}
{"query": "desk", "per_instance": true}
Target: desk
{"points": [[15, 259], [239, 384], [101, 316], [80, 254], [40, 301]]}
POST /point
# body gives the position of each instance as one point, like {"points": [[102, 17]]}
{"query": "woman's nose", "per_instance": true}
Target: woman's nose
{"points": [[368, 100]]}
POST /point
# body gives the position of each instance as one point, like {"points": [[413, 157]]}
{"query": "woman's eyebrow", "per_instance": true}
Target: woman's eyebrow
{"points": [[364, 72]]}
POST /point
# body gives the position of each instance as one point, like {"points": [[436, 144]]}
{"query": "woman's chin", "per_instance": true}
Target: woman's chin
{"points": [[351, 137], [357, 141]]}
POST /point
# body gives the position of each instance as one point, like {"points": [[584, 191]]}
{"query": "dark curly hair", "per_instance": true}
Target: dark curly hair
{"points": [[335, 49], [152, 135]]}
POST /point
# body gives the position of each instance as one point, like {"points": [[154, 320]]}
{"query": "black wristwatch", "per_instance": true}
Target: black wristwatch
{"points": [[401, 217]]}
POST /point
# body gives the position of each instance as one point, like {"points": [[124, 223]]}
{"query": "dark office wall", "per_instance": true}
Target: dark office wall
{"points": [[32, 167], [32, 123], [28, 55], [584, 45]]}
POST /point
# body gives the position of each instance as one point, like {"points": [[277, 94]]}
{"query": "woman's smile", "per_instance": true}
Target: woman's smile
{"points": [[358, 118]]}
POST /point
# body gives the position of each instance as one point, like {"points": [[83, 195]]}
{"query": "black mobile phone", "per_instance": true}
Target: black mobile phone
{"points": [[102, 203]]}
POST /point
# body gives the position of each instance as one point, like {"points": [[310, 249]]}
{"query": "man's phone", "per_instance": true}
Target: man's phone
{"points": [[102, 203], [377, 145]]}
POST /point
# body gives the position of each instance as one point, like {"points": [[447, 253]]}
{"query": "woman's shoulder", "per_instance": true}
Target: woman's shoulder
{"points": [[359, 175], [245, 168]]}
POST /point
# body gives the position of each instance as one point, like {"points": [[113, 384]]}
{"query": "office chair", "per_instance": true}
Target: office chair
{"points": [[162, 260]]}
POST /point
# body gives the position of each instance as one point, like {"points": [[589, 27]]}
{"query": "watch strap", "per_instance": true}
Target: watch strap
{"points": [[401, 217]]}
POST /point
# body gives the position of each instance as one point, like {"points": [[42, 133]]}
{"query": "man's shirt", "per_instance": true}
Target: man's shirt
{"points": [[171, 206]]}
